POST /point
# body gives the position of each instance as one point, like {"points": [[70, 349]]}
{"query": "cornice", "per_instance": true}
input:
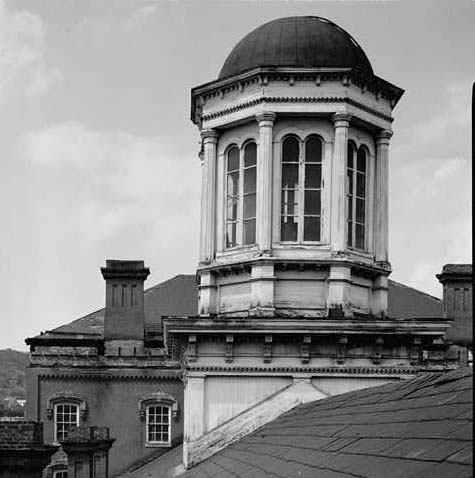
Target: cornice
{"points": [[320, 371], [297, 99], [72, 374], [316, 326]]}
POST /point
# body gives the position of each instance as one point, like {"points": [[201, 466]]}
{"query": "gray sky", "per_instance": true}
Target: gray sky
{"points": [[98, 157]]}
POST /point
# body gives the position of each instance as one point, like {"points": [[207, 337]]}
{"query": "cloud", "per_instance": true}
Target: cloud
{"points": [[140, 15], [113, 183], [23, 66], [430, 193]]}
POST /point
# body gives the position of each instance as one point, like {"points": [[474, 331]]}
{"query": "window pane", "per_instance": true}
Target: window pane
{"points": [[250, 155], [289, 203], [359, 242], [361, 160], [290, 176], [312, 202], [233, 184], [250, 231], [288, 229], [350, 233], [313, 175], [233, 159], [360, 212], [313, 150], [232, 209], [360, 185], [231, 229], [249, 206], [311, 228], [250, 180], [350, 181], [290, 150], [350, 159]]}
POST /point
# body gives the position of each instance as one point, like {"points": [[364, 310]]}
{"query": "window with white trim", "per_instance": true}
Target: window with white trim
{"points": [[158, 422], [357, 166], [302, 184], [66, 416], [241, 180]]}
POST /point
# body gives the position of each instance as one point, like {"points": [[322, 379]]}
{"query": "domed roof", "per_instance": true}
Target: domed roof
{"points": [[301, 42]]}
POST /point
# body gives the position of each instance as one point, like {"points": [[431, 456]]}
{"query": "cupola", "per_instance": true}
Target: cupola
{"points": [[295, 135]]}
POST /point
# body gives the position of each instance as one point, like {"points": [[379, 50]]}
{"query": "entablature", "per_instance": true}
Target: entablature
{"points": [[259, 79]]}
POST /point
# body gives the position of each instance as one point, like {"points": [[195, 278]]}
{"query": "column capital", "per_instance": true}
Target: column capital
{"points": [[265, 117], [341, 120], [209, 135], [384, 136]]}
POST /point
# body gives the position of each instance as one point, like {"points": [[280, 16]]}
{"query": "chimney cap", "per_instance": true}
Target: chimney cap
{"points": [[122, 269], [455, 272]]}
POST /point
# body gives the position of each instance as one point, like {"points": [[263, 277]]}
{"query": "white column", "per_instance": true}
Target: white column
{"points": [[381, 232], [338, 187], [339, 283], [208, 196], [264, 181], [194, 412]]}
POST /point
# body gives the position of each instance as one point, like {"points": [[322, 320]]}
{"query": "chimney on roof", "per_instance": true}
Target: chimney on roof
{"points": [[124, 321], [456, 280]]}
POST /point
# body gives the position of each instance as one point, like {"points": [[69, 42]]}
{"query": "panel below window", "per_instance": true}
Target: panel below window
{"points": [[311, 228], [288, 229]]}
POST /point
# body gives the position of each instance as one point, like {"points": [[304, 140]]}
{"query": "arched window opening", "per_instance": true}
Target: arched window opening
{"points": [[241, 190], [249, 194], [158, 420], [301, 206], [356, 180], [232, 197], [313, 190]]}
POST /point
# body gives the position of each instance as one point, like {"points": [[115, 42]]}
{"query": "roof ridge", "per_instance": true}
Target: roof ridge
{"points": [[161, 284]]}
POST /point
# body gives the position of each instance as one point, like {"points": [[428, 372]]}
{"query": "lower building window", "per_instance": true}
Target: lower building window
{"points": [[60, 474], [158, 425], [66, 416]]}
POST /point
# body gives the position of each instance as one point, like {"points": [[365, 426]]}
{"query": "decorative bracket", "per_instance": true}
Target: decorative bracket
{"points": [[229, 348], [267, 348], [341, 350], [378, 351], [305, 348], [191, 348], [415, 354]]}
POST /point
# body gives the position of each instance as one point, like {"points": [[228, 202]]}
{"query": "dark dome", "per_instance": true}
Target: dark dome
{"points": [[301, 42]]}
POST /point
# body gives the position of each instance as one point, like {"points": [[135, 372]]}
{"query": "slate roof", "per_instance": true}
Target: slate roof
{"points": [[415, 429], [179, 297]]}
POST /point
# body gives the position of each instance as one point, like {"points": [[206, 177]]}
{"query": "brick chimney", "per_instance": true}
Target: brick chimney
{"points": [[124, 320], [456, 280]]}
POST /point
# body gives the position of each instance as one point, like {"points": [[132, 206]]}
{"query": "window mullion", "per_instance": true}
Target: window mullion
{"points": [[353, 212], [301, 194], [240, 228]]}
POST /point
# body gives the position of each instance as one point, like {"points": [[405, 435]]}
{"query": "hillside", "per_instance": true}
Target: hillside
{"points": [[12, 380]]}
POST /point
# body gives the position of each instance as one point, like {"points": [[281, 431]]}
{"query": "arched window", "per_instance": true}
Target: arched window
{"points": [[67, 410], [66, 416], [356, 194], [241, 180], [301, 206]]}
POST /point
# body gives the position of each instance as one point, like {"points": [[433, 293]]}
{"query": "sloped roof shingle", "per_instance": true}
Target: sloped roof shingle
{"points": [[415, 429]]}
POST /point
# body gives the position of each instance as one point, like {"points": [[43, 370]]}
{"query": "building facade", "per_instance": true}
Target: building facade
{"points": [[291, 302]]}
